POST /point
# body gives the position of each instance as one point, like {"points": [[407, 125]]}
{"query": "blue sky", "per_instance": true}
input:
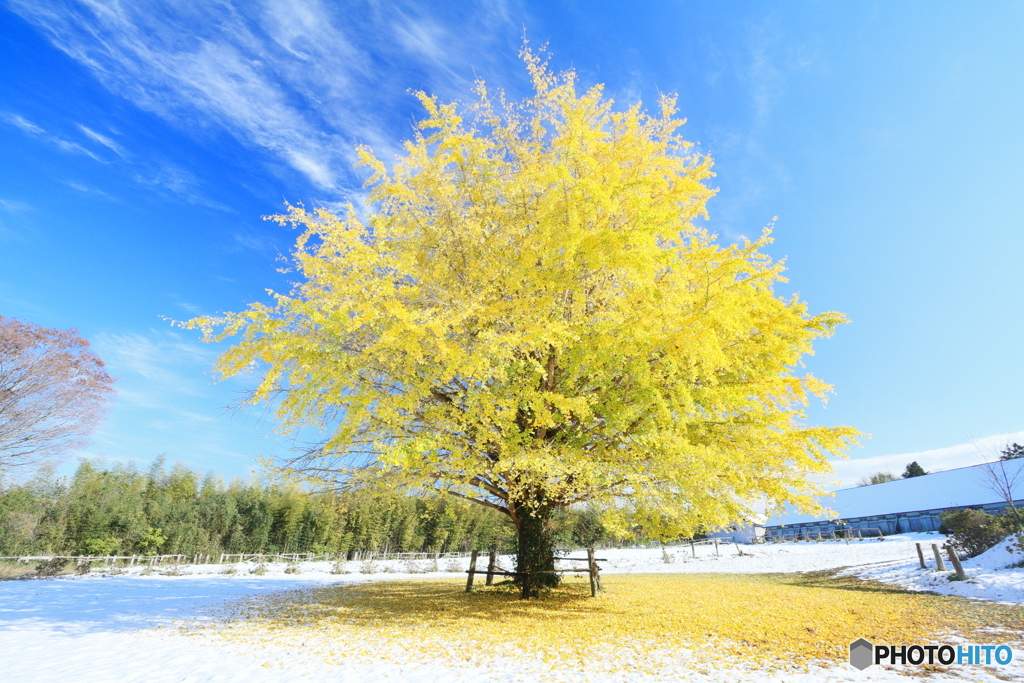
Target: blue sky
{"points": [[141, 142]]}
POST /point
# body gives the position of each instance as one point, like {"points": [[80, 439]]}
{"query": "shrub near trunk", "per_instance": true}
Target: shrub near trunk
{"points": [[52, 567], [972, 532]]}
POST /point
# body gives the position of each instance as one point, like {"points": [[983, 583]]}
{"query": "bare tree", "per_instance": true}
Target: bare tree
{"points": [[1005, 478], [53, 392]]}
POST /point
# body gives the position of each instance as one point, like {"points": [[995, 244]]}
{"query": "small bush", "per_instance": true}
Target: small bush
{"points": [[454, 566], [412, 567], [229, 570], [98, 547], [52, 567], [259, 570], [338, 568], [972, 532], [368, 567], [292, 570]]}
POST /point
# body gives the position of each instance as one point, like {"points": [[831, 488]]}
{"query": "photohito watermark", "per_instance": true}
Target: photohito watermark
{"points": [[863, 654]]}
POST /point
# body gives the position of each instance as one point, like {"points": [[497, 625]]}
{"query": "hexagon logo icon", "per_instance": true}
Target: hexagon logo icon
{"points": [[861, 654]]}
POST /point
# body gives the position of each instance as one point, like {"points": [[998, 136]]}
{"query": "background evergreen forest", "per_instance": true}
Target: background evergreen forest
{"points": [[107, 510]]}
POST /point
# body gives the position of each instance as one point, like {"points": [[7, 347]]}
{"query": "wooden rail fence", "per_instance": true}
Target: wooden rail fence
{"points": [[204, 558], [109, 560], [817, 535], [492, 570]]}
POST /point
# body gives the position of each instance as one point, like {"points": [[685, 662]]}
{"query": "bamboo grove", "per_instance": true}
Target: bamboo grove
{"points": [[118, 509]]}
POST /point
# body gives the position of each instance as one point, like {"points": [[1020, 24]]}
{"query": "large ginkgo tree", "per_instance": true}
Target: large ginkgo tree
{"points": [[525, 315]]}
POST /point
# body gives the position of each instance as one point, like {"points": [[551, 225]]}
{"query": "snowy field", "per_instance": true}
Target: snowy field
{"points": [[123, 627]]}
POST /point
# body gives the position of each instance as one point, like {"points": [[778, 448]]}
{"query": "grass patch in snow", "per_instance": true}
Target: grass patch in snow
{"points": [[38, 569], [642, 623], [14, 570]]}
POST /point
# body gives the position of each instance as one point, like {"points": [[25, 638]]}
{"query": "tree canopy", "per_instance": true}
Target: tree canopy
{"points": [[528, 316], [876, 478], [1012, 452], [53, 392], [913, 470]]}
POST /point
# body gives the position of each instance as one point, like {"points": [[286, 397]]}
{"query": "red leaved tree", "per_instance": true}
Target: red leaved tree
{"points": [[53, 392]]}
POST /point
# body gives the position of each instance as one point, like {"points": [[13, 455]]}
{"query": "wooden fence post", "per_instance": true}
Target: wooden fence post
{"points": [[693, 549], [939, 564], [920, 556], [716, 548], [959, 568], [491, 561], [593, 572], [472, 570]]}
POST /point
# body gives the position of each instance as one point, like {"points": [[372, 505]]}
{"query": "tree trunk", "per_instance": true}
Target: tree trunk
{"points": [[1014, 511], [536, 550]]}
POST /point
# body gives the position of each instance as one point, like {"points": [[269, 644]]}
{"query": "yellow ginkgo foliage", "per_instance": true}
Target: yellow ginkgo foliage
{"points": [[528, 318]]}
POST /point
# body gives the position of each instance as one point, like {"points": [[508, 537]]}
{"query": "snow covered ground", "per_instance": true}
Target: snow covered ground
{"points": [[121, 627], [989, 576]]}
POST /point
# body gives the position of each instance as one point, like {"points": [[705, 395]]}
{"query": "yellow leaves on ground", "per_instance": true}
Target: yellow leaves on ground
{"points": [[646, 624]]}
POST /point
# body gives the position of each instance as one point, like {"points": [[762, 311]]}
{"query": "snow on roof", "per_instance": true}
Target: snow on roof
{"points": [[963, 486]]}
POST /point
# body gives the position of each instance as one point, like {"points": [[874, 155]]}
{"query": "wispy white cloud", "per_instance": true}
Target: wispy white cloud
{"points": [[102, 139], [773, 59], [15, 206], [303, 80], [764, 75], [154, 366], [254, 242], [176, 180], [36, 131], [168, 403], [21, 122], [13, 226], [87, 189], [190, 308], [425, 39], [154, 173]]}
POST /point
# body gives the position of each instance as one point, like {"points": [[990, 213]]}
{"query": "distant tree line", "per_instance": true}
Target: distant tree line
{"points": [[912, 470], [117, 509]]}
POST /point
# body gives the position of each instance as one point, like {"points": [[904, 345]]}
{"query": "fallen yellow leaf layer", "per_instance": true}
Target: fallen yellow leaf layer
{"points": [[644, 624]]}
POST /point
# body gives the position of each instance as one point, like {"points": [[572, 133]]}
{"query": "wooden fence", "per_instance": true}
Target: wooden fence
{"points": [[203, 558], [110, 560], [847, 535], [492, 570], [336, 557]]}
